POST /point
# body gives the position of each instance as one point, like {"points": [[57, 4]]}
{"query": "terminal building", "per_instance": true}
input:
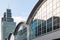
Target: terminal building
{"points": [[21, 32], [44, 20], [7, 24]]}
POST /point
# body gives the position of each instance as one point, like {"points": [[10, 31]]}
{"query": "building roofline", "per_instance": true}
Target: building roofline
{"points": [[17, 28], [33, 10]]}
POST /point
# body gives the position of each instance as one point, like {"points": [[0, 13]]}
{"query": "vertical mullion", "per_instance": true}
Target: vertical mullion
{"points": [[52, 15], [41, 21], [59, 16], [37, 28], [46, 17]]}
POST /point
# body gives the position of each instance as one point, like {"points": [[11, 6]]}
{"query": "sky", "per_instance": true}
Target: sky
{"points": [[20, 9]]}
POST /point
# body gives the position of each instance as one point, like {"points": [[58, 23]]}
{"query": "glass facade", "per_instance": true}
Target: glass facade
{"points": [[7, 24], [49, 16], [22, 33], [9, 16], [33, 25], [9, 13], [33, 28]]}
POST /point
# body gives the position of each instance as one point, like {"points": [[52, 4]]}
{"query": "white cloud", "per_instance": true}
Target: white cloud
{"points": [[17, 19]]}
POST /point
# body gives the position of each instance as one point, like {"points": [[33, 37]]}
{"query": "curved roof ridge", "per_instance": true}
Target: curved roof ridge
{"points": [[33, 10]]}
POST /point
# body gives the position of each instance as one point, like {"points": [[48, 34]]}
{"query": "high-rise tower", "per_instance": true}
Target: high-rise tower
{"points": [[7, 23]]}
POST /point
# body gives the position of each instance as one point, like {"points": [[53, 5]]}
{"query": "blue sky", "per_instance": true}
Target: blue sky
{"points": [[20, 9]]}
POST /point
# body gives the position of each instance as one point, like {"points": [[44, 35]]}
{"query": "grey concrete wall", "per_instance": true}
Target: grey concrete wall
{"points": [[49, 36]]}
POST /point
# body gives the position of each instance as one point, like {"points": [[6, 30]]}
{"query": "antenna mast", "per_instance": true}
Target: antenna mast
{"points": [[8, 4]]}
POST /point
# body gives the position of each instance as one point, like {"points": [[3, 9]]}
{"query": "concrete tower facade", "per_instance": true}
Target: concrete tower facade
{"points": [[7, 23]]}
